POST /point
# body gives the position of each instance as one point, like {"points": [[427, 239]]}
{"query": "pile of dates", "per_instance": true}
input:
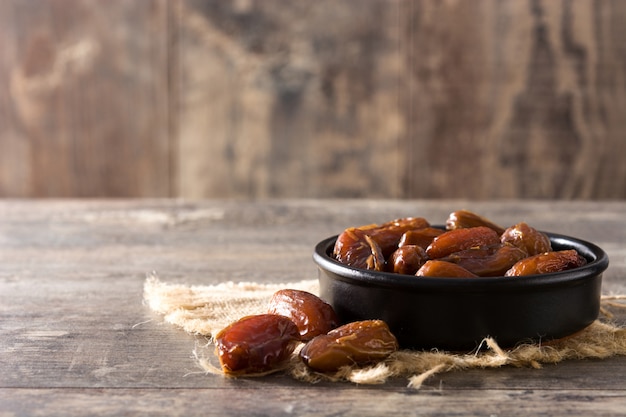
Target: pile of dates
{"points": [[262, 343], [470, 246]]}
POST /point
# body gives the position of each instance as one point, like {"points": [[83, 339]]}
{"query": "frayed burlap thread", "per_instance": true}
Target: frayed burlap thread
{"points": [[205, 310]]}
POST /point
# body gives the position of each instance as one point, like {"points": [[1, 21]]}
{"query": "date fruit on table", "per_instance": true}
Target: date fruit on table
{"points": [[311, 314], [256, 344], [356, 343]]}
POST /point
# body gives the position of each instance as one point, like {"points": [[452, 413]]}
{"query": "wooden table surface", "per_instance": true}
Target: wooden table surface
{"points": [[76, 339]]}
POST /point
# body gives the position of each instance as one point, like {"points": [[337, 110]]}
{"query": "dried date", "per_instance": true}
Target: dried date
{"points": [[311, 314], [443, 269], [463, 219], [528, 238], [388, 234], [488, 261], [352, 245], [356, 343], [460, 239], [256, 344], [407, 259], [547, 262], [421, 237], [469, 240], [356, 248]]}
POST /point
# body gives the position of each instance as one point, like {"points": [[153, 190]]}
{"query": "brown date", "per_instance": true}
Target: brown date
{"points": [[528, 238], [356, 343], [407, 259], [311, 314], [547, 262], [463, 219], [421, 237], [387, 236], [356, 248], [256, 344], [460, 239], [443, 269], [487, 261]]}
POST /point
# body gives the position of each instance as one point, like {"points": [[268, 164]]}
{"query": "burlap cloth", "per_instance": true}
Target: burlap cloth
{"points": [[204, 310]]}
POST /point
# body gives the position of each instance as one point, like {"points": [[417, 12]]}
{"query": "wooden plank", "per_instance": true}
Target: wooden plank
{"points": [[71, 277], [413, 98], [75, 336], [90, 329], [306, 402], [247, 99], [515, 99], [84, 98], [289, 99]]}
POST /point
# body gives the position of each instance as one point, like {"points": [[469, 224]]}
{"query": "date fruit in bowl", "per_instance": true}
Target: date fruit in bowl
{"points": [[502, 297]]}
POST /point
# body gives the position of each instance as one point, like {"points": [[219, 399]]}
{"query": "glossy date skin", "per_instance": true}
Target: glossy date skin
{"points": [[463, 219], [312, 315], [356, 248], [356, 343], [368, 247], [407, 259], [256, 344], [547, 262], [488, 261], [420, 237], [443, 269], [527, 238], [388, 234], [461, 239], [470, 241]]}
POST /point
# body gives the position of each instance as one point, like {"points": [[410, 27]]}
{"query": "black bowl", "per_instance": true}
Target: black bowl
{"points": [[458, 313]]}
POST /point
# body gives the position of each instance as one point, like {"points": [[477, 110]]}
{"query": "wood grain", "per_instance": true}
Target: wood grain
{"points": [[306, 105], [206, 402], [75, 338], [408, 99], [261, 99], [84, 98]]}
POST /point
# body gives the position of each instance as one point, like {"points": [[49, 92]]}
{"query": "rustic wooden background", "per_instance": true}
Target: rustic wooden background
{"points": [[329, 98]]}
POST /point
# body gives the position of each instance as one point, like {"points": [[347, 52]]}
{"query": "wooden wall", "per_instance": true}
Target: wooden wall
{"points": [[328, 98]]}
